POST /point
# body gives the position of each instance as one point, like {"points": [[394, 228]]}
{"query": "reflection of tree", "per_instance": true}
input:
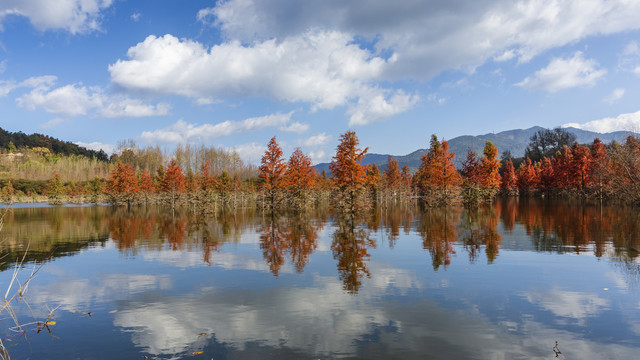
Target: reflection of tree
{"points": [[280, 236], [479, 227], [350, 247], [302, 238], [273, 244], [438, 229]]}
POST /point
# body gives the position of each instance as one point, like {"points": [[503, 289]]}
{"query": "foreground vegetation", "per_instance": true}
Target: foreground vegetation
{"points": [[208, 179]]}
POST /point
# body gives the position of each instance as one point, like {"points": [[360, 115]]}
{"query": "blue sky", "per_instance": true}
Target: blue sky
{"points": [[235, 73]]}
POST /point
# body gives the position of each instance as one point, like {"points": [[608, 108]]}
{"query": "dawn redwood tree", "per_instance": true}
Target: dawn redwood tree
{"points": [[373, 179], [392, 177], [407, 180], [508, 182], [145, 183], [272, 171], [348, 172], [580, 166], [547, 177], [600, 166], [122, 185], [471, 167], [527, 178], [173, 182], [490, 167], [299, 177], [437, 177]]}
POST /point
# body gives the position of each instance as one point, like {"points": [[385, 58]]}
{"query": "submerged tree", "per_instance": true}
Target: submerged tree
{"points": [[272, 173], [122, 185], [173, 182], [437, 178], [348, 172], [300, 178]]}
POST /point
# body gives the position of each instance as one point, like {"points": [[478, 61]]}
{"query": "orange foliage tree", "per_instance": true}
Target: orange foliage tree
{"points": [[508, 183], [122, 185], [173, 182], [272, 171], [527, 179], [437, 178], [145, 183], [299, 177], [347, 170]]}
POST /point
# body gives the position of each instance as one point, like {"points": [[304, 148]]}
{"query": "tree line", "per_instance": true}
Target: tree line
{"points": [[209, 178]]}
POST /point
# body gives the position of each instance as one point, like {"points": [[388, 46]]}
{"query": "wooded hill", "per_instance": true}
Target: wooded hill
{"points": [[58, 147], [514, 141]]}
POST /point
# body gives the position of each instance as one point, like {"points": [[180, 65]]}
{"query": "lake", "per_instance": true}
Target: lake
{"points": [[512, 280]]}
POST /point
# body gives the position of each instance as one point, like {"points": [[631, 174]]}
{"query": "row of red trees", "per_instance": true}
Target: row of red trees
{"points": [[586, 170]]}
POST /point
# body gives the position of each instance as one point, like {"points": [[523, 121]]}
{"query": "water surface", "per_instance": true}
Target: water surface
{"points": [[504, 281]]}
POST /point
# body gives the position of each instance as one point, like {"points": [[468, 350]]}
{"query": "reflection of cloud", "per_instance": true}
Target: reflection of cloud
{"points": [[320, 319], [571, 304], [80, 293]]}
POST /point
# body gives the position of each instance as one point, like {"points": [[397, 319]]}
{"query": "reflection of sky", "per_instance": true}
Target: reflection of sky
{"points": [[515, 308]]}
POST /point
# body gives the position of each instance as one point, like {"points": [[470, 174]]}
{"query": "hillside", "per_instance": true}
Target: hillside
{"points": [[514, 141], [22, 140]]}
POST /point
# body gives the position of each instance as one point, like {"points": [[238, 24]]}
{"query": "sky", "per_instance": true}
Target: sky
{"points": [[235, 73]]}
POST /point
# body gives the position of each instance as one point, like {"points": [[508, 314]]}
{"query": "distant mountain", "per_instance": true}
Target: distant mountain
{"points": [[514, 141], [21, 140]]}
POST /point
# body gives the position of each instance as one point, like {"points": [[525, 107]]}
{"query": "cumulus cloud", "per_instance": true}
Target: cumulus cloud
{"points": [[375, 106], [562, 74], [74, 16], [616, 95], [322, 68], [183, 132], [317, 140], [97, 146], [428, 37], [75, 100], [622, 122]]}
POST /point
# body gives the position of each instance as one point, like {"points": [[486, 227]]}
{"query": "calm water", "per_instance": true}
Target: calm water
{"points": [[502, 282]]}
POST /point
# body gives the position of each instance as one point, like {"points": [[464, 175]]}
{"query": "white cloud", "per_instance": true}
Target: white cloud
{"points": [[251, 152], [505, 56], [562, 74], [375, 106], [322, 68], [616, 95], [325, 69], [205, 14], [569, 303], [295, 127], [65, 101], [33, 82], [97, 146], [317, 140], [183, 132], [136, 16], [75, 100], [428, 37], [74, 16], [622, 122]]}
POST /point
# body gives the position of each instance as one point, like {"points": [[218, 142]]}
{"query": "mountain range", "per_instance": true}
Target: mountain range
{"points": [[514, 141]]}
